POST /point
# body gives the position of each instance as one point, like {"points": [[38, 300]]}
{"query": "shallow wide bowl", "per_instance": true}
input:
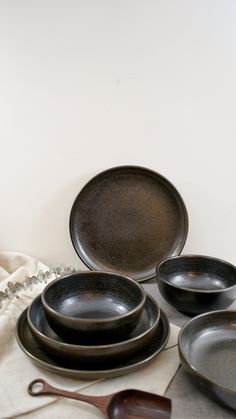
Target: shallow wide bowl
{"points": [[93, 307], [196, 284], [54, 345], [31, 348], [207, 348]]}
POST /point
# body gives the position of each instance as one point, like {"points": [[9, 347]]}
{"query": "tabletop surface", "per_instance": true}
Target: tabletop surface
{"points": [[187, 401]]}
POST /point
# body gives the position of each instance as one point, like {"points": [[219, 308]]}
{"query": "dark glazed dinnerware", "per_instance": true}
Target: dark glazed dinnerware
{"points": [[92, 354], [207, 349], [126, 220], [125, 404], [93, 307], [31, 348], [196, 284]]}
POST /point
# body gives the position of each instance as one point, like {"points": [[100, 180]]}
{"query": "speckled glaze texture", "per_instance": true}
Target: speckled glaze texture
{"points": [[93, 307], [195, 284], [31, 348], [126, 220], [91, 354], [207, 349]]}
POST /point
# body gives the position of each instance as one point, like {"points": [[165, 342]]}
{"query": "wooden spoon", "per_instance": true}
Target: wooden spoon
{"points": [[126, 404]]}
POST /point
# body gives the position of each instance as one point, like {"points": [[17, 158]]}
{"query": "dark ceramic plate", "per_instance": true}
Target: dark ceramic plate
{"points": [[134, 342], [126, 220], [207, 348], [31, 348]]}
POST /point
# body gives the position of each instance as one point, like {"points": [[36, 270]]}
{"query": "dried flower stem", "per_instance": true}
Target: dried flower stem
{"points": [[13, 290]]}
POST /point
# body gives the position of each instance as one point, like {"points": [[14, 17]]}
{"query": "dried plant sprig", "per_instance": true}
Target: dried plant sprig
{"points": [[13, 290]]}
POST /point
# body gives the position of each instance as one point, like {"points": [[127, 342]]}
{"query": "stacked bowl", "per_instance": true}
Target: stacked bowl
{"points": [[93, 318]]}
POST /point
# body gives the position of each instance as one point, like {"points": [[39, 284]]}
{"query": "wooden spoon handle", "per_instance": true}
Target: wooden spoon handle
{"points": [[40, 387]]}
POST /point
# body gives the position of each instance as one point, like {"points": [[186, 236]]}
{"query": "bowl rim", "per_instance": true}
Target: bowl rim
{"points": [[189, 366], [95, 321], [196, 290], [98, 347]]}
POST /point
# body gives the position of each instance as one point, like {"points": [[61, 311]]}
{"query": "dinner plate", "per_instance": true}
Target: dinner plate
{"points": [[126, 220], [92, 354], [31, 348], [207, 348]]}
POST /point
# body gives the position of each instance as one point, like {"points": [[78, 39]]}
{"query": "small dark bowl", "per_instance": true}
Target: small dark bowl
{"points": [[93, 307], [138, 339], [196, 284]]}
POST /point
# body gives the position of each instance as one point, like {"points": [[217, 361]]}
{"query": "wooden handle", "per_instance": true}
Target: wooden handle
{"points": [[40, 387]]}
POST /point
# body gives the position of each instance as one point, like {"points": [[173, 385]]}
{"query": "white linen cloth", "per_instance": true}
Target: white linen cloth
{"points": [[16, 369]]}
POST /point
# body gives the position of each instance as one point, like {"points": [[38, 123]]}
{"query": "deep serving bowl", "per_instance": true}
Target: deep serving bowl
{"points": [[195, 284], [207, 347], [139, 338], [93, 307]]}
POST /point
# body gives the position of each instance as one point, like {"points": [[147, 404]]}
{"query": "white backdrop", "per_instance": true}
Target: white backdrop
{"points": [[87, 85]]}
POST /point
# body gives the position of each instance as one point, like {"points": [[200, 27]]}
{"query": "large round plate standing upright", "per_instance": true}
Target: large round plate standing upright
{"points": [[126, 220]]}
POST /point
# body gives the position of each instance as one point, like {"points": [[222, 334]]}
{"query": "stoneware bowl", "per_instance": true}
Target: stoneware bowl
{"points": [[207, 347], [93, 307], [139, 338], [195, 284]]}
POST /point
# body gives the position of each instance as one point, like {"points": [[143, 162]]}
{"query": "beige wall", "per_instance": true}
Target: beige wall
{"points": [[86, 85]]}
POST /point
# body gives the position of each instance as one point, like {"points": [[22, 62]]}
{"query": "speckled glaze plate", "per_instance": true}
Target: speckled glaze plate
{"points": [[31, 348], [207, 348], [126, 220]]}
